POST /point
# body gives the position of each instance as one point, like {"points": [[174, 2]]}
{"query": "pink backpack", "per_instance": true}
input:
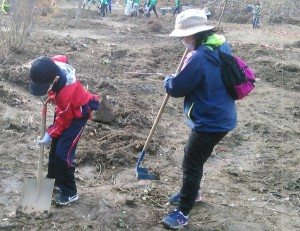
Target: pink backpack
{"points": [[237, 76]]}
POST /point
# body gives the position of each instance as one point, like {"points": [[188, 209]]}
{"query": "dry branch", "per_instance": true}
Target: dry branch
{"points": [[142, 73], [220, 19]]}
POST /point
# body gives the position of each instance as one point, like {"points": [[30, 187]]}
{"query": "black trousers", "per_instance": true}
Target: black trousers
{"points": [[196, 152]]}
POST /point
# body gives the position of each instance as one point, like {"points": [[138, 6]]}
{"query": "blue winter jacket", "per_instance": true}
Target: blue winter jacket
{"points": [[207, 104]]}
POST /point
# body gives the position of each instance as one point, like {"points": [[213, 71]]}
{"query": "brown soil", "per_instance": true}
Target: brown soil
{"points": [[251, 181]]}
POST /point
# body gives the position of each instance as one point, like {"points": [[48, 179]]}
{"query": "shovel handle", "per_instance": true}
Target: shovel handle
{"points": [[162, 107], [41, 148]]}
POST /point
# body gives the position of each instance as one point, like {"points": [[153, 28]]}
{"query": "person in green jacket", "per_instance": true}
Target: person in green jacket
{"points": [[102, 7], [152, 6], [256, 15], [5, 7], [177, 7]]}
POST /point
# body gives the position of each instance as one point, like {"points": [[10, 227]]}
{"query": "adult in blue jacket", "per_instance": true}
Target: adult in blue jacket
{"points": [[209, 109]]}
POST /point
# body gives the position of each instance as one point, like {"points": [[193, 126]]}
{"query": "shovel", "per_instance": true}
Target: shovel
{"points": [[141, 172], [37, 192]]}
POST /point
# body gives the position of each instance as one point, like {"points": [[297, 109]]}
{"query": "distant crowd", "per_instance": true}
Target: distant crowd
{"points": [[132, 7], [136, 7], [104, 6]]}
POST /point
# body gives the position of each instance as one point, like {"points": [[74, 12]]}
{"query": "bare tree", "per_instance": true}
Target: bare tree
{"points": [[77, 18], [15, 29], [223, 8], [236, 10]]}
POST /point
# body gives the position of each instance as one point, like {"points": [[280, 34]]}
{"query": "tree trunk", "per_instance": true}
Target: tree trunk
{"points": [[77, 18]]}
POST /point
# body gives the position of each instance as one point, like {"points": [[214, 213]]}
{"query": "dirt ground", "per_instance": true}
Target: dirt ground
{"points": [[252, 180]]}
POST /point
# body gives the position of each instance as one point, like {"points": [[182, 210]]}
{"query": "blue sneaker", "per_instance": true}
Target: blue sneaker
{"points": [[175, 220], [62, 199], [174, 198]]}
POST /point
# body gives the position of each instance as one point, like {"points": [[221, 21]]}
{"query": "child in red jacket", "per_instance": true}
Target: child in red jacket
{"points": [[73, 108]]}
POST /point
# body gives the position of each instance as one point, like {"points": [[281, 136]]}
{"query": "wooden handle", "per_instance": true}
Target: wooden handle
{"points": [[42, 133], [162, 107]]}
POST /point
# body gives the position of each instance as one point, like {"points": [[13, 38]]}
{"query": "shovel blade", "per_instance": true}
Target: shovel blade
{"points": [[143, 174], [36, 196]]}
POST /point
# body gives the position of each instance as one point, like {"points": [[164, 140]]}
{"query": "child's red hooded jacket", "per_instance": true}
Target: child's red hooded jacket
{"points": [[72, 100]]}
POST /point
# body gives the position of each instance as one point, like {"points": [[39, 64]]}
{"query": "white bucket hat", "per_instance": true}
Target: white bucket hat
{"points": [[190, 22]]}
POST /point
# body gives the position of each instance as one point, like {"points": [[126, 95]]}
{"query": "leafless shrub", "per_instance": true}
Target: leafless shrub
{"points": [[15, 27]]}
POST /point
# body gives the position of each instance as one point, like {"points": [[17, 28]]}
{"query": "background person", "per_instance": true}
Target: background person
{"points": [[109, 2], [128, 7], [102, 7], [151, 7], [136, 4], [5, 7], [256, 15], [177, 7]]}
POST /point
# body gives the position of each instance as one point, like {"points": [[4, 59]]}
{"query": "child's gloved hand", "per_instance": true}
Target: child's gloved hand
{"points": [[167, 78], [46, 139]]}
